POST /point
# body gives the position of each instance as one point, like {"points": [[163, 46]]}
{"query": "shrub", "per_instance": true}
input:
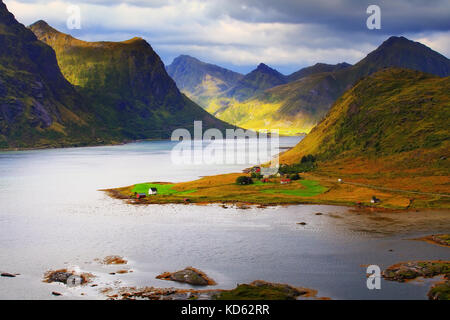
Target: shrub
{"points": [[308, 158], [298, 167], [244, 180], [294, 176], [307, 163]]}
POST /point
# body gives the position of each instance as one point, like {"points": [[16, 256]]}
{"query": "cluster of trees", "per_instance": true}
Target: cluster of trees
{"points": [[306, 164]]}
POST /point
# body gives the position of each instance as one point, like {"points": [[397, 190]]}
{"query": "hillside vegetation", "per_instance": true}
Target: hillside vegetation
{"points": [[388, 113], [390, 130]]}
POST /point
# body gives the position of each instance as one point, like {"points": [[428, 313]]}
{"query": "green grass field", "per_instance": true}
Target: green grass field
{"points": [[311, 188], [163, 189]]}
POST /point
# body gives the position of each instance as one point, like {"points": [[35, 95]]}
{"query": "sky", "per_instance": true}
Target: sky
{"points": [[240, 34]]}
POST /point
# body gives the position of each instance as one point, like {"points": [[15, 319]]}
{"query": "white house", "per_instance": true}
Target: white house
{"points": [[152, 191]]}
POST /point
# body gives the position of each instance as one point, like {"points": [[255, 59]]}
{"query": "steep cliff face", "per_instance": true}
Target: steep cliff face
{"points": [[126, 83], [38, 106]]}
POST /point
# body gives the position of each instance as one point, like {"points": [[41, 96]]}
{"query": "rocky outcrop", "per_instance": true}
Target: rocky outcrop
{"points": [[188, 275]]}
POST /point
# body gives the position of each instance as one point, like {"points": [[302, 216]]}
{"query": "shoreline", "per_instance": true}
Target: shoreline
{"points": [[311, 189]]}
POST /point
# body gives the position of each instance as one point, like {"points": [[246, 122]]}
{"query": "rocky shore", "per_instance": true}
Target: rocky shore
{"points": [[407, 271]]}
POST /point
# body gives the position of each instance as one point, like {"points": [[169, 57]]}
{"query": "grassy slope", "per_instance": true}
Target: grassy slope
{"points": [[393, 111], [390, 130], [264, 111]]}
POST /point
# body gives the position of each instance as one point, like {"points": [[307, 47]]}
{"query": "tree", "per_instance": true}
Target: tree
{"points": [[244, 180]]}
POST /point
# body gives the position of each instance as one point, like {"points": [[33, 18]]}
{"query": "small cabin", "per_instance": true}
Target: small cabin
{"points": [[152, 191], [285, 181], [140, 195], [265, 180]]}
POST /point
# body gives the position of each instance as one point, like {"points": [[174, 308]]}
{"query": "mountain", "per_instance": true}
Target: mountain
{"points": [[199, 80], [395, 113], [38, 106], [260, 79], [297, 106], [317, 68], [127, 85]]}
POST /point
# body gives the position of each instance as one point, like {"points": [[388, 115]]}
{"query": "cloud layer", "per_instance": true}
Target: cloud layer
{"points": [[240, 34]]}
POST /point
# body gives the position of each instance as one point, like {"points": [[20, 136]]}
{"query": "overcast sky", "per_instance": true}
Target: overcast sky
{"points": [[239, 34]]}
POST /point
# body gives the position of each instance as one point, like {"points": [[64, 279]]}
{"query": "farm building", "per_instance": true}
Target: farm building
{"points": [[140, 195], [285, 181], [152, 191]]}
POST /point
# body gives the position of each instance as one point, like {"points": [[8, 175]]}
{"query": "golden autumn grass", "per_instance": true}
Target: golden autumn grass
{"points": [[223, 189]]}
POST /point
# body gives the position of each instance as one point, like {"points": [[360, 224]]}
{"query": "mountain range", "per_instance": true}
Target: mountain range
{"points": [[297, 102], [56, 90]]}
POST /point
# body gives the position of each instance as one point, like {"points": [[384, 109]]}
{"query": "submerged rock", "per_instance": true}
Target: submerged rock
{"points": [[114, 260], [67, 277], [8, 275], [59, 276], [188, 275]]}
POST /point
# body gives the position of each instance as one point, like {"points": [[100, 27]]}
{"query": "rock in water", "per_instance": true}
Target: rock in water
{"points": [[188, 275], [59, 276], [8, 275]]}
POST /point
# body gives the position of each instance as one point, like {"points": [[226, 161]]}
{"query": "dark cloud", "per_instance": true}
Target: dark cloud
{"points": [[398, 16], [239, 34]]}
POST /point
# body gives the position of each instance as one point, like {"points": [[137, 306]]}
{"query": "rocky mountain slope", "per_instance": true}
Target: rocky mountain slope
{"points": [[38, 106], [126, 83], [199, 80]]}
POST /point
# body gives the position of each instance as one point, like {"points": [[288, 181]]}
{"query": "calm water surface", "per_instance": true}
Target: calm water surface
{"points": [[52, 216]]}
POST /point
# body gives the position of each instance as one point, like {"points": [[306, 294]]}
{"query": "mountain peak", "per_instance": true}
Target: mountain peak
{"points": [[135, 40], [185, 58], [404, 53], [264, 67], [42, 26]]}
